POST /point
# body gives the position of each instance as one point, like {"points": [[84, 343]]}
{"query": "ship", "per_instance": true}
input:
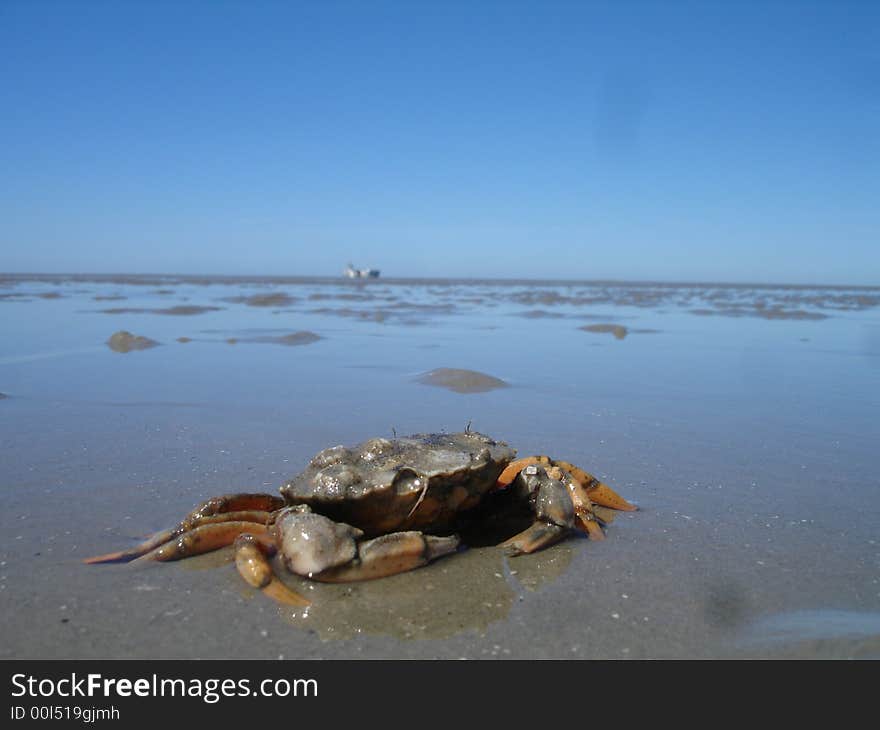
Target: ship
{"points": [[352, 273]]}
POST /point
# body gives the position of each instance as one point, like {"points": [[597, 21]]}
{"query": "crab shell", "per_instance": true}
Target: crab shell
{"points": [[419, 482]]}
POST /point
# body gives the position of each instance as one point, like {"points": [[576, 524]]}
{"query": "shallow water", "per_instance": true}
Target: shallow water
{"points": [[747, 437]]}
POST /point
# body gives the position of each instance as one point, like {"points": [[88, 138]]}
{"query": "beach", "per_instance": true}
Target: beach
{"points": [[741, 419]]}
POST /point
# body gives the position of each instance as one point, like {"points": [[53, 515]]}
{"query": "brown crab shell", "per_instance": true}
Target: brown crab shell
{"points": [[418, 482]]}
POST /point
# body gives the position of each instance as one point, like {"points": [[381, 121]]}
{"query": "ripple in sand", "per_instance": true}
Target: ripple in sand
{"points": [[461, 381], [123, 341]]}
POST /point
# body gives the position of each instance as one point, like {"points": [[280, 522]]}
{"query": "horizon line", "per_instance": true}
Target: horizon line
{"points": [[304, 278]]}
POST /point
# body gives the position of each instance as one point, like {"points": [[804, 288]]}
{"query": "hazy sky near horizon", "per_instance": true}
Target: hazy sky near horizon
{"points": [[725, 141]]}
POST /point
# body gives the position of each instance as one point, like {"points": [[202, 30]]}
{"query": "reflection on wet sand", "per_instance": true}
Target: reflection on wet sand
{"points": [[817, 633], [465, 592]]}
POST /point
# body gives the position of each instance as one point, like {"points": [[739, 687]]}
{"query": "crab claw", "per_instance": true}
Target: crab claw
{"points": [[252, 553], [584, 509]]}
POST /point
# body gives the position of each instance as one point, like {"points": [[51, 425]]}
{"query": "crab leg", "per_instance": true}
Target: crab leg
{"points": [[235, 503], [203, 539], [536, 536], [252, 554], [553, 505], [243, 506], [513, 469], [598, 492], [160, 538]]}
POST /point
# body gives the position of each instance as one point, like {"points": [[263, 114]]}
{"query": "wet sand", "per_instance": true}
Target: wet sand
{"points": [[747, 441]]}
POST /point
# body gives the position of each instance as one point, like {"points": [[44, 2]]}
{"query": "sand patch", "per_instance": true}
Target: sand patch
{"points": [[759, 310], [461, 381], [275, 299], [288, 339], [294, 339], [181, 310], [124, 341], [618, 330], [540, 314]]}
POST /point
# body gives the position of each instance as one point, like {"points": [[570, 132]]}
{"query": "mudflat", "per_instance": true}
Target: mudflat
{"points": [[744, 428]]}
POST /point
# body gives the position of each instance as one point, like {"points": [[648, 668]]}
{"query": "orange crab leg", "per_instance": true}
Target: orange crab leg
{"points": [[604, 495], [252, 553], [124, 556], [515, 467], [591, 527], [598, 492], [236, 503], [203, 539], [160, 538]]}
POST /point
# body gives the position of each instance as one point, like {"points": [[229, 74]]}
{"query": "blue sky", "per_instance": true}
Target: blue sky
{"points": [[724, 141]]}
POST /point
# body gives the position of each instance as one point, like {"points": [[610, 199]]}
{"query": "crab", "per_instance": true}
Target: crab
{"points": [[384, 507]]}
